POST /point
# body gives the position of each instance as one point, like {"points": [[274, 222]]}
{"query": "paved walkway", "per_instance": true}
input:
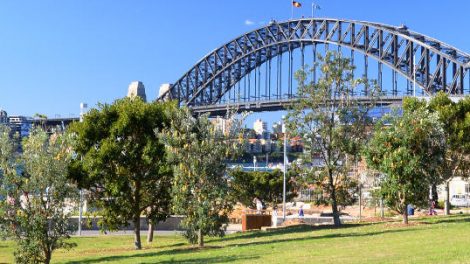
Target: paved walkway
{"points": [[232, 228]]}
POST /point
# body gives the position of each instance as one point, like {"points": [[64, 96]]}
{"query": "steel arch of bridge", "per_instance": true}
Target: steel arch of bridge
{"points": [[438, 66]]}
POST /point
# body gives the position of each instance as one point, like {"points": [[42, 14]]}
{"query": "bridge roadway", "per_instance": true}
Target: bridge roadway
{"points": [[276, 105], [57, 121], [221, 109]]}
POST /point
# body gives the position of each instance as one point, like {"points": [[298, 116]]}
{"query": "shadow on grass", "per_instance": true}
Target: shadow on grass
{"points": [[171, 245], [287, 230], [334, 235], [243, 243], [172, 252], [446, 219], [219, 259]]}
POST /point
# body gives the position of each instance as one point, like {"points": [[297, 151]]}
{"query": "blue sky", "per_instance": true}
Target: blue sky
{"points": [[56, 54]]}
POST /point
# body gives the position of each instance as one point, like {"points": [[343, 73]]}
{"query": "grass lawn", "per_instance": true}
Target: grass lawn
{"points": [[427, 240]]}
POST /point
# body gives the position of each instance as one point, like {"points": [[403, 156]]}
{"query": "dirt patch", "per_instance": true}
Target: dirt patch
{"points": [[365, 211], [293, 222], [376, 219]]}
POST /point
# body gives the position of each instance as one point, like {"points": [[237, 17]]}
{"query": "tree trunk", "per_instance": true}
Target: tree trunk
{"points": [[200, 238], [137, 242], [150, 232], [447, 202], [47, 256], [405, 215], [334, 203]]}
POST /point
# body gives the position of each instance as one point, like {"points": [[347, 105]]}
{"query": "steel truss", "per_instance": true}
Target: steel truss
{"points": [[432, 64]]}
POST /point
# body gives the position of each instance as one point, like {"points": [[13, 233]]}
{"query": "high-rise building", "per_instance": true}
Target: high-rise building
{"points": [[221, 124], [20, 124], [3, 117], [260, 127], [137, 89], [277, 127]]}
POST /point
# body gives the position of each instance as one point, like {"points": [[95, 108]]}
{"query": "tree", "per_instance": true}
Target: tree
{"points": [[408, 150], [332, 122], [265, 185], [455, 118], [122, 163], [200, 189], [39, 196]]}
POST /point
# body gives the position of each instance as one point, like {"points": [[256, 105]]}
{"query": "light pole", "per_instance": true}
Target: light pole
{"points": [[254, 162], [83, 106], [284, 131]]}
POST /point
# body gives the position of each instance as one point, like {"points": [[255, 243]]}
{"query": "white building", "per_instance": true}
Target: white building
{"points": [[260, 127], [458, 186], [221, 124]]}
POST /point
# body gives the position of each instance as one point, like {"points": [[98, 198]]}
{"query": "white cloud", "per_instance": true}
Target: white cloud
{"points": [[249, 22]]}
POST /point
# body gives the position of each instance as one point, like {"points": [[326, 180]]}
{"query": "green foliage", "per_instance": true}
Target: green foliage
{"points": [[266, 185], [332, 122], [408, 152], [456, 123], [122, 163], [346, 191], [346, 187], [200, 189], [455, 117], [38, 194]]}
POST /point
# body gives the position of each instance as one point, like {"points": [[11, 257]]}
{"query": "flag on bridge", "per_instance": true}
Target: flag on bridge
{"points": [[296, 4]]}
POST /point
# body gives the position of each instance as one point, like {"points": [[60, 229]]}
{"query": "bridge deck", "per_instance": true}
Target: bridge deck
{"points": [[276, 105]]}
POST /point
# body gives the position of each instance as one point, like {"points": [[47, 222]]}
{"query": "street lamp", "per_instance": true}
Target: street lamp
{"points": [[284, 131], [83, 106], [254, 163]]}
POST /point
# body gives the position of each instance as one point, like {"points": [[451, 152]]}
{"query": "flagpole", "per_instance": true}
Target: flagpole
{"points": [[292, 10], [313, 8]]}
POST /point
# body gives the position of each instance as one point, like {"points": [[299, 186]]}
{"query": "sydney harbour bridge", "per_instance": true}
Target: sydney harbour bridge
{"points": [[255, 71]]}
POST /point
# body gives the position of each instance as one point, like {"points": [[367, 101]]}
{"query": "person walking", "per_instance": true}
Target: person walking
{"points": [[259, 205], [301, 212], [274, 217]]}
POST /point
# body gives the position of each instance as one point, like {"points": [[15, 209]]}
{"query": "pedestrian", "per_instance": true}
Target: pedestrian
{"points": [[432, 205], [259, 205], [274, 217], [301, 212]]}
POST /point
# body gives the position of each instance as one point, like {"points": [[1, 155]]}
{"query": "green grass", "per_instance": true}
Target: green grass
{"points": [[434, 240]]}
